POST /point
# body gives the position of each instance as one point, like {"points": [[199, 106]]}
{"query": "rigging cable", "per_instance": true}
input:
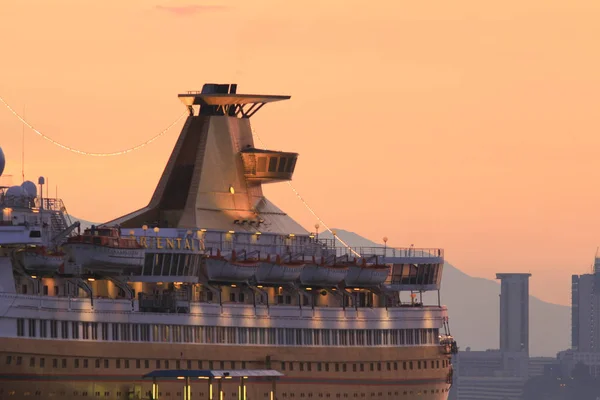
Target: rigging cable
{"points": [[309, 208], [71, 149]]}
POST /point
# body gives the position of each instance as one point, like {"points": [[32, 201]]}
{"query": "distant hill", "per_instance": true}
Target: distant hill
{"points": [[474, 309]]}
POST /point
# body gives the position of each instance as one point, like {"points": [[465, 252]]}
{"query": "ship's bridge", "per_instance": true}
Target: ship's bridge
{"points": [[267, 166]]}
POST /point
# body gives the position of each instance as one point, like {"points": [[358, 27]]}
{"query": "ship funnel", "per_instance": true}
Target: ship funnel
{"points": [[215, 174]]}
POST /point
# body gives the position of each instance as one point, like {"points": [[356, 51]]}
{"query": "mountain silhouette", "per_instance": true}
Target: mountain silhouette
{"points": [[474, 309]]}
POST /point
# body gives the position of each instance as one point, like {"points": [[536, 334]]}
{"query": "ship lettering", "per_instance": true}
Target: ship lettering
{"points": [[178, 240], [159, 243], [170, 243], [143, 242]]}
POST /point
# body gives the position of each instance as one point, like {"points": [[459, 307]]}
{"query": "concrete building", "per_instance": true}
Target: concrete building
{"points": [[514, 312], [585, 311]]}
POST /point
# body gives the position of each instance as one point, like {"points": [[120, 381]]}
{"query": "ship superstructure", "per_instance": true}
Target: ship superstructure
{"points": [[212, 275]]}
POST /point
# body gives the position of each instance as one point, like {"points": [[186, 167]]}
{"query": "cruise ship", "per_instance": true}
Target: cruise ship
{"points": [[212, 279]]}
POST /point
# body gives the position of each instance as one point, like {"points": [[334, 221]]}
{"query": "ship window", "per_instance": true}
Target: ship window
{"points": [[64, 329], [147, 364], [291, 165], [105, 363], [8, 360], [362, 367], [97, 363], [85, 363], [353, 367], [45, 290], [261, 165], [20, 327], [272, 164], [389, 366], [42, 362], [118, 363], [437, 364], [76, 363], [395, 366], [64, 363], [32, 327], [75, 328], [32, 362], [344, 367], [282, 162]]}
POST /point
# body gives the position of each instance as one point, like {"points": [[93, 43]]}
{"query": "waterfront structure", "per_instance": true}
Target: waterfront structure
{"points": [[585, 310], [514, 312], [212, 275]]}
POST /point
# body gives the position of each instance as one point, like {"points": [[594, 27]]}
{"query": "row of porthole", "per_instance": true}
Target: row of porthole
{"points": [[337, 367]]}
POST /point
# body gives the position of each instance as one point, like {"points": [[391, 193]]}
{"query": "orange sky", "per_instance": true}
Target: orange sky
{"points": [[461, 124]]}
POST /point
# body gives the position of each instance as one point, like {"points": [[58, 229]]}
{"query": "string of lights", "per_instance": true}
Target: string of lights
{"points": [[309, 208], [85, 153]]}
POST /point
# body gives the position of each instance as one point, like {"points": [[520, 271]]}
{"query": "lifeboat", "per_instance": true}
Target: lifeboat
{"points": [[104, 250], [40, 259], [278, 271], [322, 274], [220, 269], [367, 275]]}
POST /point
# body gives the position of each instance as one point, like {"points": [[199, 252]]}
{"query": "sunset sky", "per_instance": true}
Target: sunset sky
{"points": [[468, 125]]}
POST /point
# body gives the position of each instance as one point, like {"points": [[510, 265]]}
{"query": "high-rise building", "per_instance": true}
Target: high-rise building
{"points": [[585, 311], [514, 312]]}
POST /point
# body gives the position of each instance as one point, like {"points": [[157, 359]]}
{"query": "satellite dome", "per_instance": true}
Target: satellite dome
{"points": [[2, 161], [29, 189], [15, 192]]}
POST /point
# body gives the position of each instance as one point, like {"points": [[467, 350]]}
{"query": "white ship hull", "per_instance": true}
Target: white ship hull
{"points": [[269, 272], [313, 274], [221, 270], [102, 258], [366, 276]]}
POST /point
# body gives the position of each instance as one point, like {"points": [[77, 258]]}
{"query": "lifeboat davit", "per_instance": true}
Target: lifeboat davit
{"points": [[323, 274], [40, 259], [104, 250], [229, 269], [278, 271], [362, 274]]}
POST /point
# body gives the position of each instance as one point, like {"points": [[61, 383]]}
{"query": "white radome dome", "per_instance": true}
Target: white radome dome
{"points": [[2, 161], [29, 189], [15, 192]]}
